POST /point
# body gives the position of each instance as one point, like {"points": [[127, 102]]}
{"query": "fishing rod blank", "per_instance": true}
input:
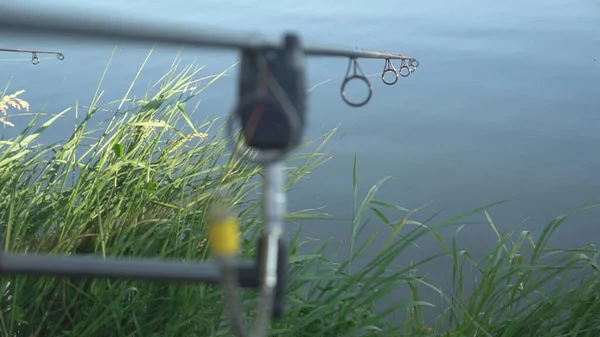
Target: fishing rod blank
{"points": [[34, 58], [137, 31], [127, 29]]}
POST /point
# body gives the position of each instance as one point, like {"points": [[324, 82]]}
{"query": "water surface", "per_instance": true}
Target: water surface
{"points": [[505, 103]]}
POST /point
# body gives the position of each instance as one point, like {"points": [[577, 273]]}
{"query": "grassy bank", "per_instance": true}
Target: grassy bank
{"points": [[138, 184]]}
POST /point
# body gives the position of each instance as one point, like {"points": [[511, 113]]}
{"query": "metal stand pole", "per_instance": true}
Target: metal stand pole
{"points": [[274, 208]]}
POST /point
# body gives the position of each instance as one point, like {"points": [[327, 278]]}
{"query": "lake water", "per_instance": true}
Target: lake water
{"points": [[504, 105]]}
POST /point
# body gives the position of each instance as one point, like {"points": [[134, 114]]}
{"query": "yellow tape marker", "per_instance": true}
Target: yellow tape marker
{"points": [[224, 235]]}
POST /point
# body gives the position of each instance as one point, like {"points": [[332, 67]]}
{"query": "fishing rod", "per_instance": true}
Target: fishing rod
{"points": [[132, 30], [34, 54], [271, 108]]}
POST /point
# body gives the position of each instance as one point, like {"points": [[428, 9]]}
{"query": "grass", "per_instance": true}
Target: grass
{"points": [[139, 183], [11, 100]]}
